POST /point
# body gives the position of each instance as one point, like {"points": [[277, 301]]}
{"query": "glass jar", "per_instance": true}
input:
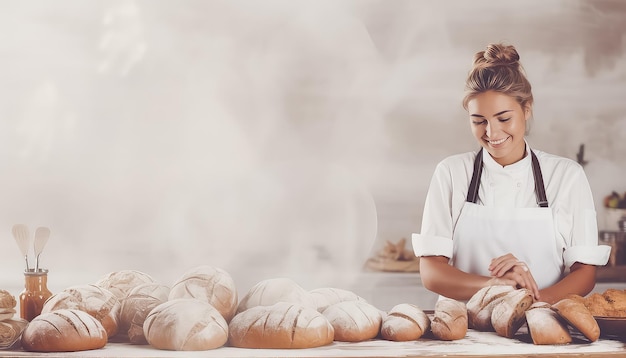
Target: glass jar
{"points": [[35, 293]]}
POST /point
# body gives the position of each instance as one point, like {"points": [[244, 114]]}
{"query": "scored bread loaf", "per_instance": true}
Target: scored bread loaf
{"points": [[481, 304], [280, 326], [450, 320], [185, 324], [210, 284], [577, 315], [354, 321], [545, 325], [136, 306], [404, 322], [509, 314], [63, 330], [326, 296], [121, 282], [97, 301], [274, 290]]}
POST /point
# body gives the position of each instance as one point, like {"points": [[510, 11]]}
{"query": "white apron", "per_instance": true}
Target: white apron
{"points": [[484, 233]]}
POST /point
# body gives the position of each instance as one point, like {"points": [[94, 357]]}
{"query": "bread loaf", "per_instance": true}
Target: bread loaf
{"points": [[274, 290], [121, 282], [450, 320], [136, 306], [185, 324], [545, 326], [280, 326], [577, 315], [97, 301], [7, 305], [509, 314], [63, 331], [404, 322], [326, 296], [354, 321], [209, 284], [10, 331], [481, 304]]}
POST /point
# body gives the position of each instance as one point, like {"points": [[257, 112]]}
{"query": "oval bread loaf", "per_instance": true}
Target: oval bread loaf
{"points": [[280, 326], [481, 304], [210, 284], [404, 322], [136, 306], [274, 290], [577, 315], [450, 320], [185, 324], [509, 314], [97, 301], [121, 282], [545, 326], [64, 331], [354, 321], [326, 296]]}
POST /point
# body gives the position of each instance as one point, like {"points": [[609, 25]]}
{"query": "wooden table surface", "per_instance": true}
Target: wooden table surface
{"points": [[475, 344]]}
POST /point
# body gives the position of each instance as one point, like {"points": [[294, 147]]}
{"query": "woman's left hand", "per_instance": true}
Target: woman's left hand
{"points": [[511, 267]]}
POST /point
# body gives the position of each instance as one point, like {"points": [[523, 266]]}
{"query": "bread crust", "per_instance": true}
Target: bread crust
{"points": [[480, 306], [577, 315], [545, 326], [64, 330], [450, 320], [354, 321], [404, 322], [509, 314]]}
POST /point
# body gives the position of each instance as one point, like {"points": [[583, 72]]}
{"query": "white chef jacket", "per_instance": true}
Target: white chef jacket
{"points": [[513, 186]]}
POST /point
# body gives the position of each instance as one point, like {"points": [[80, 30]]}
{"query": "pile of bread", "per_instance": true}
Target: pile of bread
{"points": [[202, 311], [10, 327]]}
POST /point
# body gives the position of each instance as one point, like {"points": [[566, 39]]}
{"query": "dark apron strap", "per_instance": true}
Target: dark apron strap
{"points": [[540, 190]]}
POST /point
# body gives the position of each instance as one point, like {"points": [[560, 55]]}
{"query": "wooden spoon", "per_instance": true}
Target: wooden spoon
{"points": [[22, 237], [41, 238]]}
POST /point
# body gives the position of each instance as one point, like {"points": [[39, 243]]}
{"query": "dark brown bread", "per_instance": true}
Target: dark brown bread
{"points": [[64, 331], [280, 326]]}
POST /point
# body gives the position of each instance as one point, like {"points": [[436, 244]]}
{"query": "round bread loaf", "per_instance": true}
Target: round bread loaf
{"points": [[509, 314], [354, 321], [545, 326], [274, 290], [577, 315], [326, 296], [136, 306], [121, 282], [97, 301], [7, 300], [280, 326], [210, 284], [185, 324], [63, 331], [481, 304], [404, 322], [450, 320]]}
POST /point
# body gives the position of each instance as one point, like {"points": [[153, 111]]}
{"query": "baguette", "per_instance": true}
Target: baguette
{"points": [[545, 325]]}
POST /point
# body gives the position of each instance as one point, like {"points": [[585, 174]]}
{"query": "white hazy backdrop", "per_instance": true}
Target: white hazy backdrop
{"points": [[271, 138]]}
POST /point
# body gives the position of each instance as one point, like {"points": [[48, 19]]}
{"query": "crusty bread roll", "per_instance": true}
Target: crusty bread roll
{"points": [[136, 306], [577, 315], [63, 331], [7, 305], [509, 314], [97, 301], [121, 282], [10, 331], [354, 321], [6, 313], [280, 326], [545, 326], [481, 304], [274, 290], [326, 296], [185, 324], [450, 320], [210, 284], [404, 322]]}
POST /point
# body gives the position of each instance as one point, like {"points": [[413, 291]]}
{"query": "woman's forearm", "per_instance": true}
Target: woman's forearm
{"points": [[442, 278], [580, 281]]}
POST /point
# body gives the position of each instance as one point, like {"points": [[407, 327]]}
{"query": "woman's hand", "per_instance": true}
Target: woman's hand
{"points": [[508, 267]]}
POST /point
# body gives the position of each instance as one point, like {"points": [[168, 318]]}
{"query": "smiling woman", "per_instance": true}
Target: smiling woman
{"points": [[506, 214]]}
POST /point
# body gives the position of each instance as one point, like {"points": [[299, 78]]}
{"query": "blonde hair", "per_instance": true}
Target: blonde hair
{"points": [[497, 68]]}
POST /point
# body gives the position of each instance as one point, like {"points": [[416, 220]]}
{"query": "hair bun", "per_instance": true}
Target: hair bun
{"points": [[497, 55]]}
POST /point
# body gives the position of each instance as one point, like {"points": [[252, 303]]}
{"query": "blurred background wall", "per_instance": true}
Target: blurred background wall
{"points": [[271, 138]]}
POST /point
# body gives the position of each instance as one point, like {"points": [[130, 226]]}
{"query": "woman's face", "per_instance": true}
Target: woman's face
{"points": [[499, 123]]}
